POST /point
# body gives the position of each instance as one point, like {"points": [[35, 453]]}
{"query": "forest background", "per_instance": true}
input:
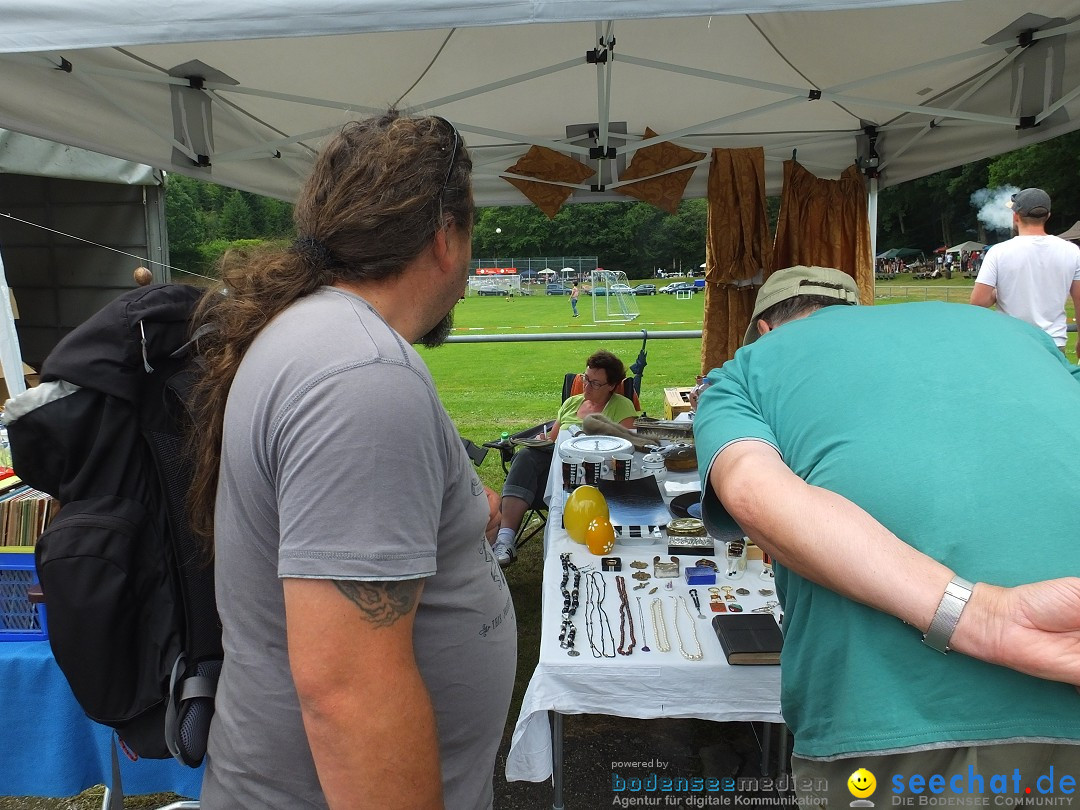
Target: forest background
{"points": [[939, 210]]}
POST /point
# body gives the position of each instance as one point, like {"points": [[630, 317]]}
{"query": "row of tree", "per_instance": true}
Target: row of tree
{"points": [[204, 219]]}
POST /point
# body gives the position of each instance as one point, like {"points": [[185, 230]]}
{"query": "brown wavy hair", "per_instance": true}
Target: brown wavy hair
{"points": [[612, 366], [377, 195]]}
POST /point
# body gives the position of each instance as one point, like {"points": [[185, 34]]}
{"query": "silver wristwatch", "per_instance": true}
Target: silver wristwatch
{"points": [[952, 604]]}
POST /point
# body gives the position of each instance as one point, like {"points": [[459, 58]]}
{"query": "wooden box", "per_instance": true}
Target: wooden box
{"points": [[676, 401]]}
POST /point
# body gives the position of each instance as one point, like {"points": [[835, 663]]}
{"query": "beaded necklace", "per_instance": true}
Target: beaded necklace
{"points": [[659, 626], [595, 615], [644, 632], [567, 631], [626, 617], [681, 600]]}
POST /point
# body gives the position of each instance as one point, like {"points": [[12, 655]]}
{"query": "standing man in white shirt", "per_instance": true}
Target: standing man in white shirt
{"points": [[1029, 276]]}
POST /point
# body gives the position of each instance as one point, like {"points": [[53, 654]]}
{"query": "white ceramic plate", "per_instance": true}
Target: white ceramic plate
{"points": [[598, 445]]}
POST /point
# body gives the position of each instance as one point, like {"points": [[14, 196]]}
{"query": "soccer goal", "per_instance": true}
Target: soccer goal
{"points": [[613, 299]]}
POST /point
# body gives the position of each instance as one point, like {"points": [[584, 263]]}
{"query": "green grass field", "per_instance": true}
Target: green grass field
{"points": [[491, 387]]}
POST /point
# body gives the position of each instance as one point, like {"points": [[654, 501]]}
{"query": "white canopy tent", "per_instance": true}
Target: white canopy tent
{"points": [[242, 92], [966, 247]]}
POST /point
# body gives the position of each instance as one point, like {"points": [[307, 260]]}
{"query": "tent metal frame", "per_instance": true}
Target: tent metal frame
{"points": [[605, 57]]}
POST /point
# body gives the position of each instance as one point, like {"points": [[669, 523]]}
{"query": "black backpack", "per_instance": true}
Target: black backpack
{"points": [[129, 594]]}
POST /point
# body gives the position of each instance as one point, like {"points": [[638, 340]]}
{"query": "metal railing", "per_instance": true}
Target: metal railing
{"points": [[638, 334], [959, 295]]}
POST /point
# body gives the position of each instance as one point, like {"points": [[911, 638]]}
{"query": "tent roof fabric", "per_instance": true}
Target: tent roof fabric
{"points": [[243, 92], [1072, 233], [967, 247]]}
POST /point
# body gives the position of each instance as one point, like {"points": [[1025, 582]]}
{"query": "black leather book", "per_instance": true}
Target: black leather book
{"points": [[749, 638]]}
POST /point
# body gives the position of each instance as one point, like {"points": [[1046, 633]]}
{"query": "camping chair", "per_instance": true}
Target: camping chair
{"points": [[536, 516]]}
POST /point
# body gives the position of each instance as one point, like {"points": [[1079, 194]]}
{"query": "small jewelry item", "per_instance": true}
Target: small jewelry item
{"points": [[641, 576], [689, 656], [639, 564], [664, 570], [626, 618], [742, 591], [765, 591], [641, 585], [703, 563], [644, 632], [611, 564], [735, 607], [697, 602], [652, 591], [728, 595], [659, 626], [766, 608]]}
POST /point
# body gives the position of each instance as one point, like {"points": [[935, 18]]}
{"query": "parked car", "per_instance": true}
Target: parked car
{"points": [[622, 288], [558, 289], [645, 289], [490, 289]]}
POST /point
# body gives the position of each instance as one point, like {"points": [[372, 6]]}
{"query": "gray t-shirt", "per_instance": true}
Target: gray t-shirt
{"points": [[339, 462]]}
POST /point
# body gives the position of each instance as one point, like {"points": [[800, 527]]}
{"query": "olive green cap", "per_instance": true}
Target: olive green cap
{"points": [[800, 280]]}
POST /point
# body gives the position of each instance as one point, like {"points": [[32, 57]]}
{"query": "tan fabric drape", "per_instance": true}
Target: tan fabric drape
{"points": [[665, 191], [547, 164], [737, 249], [824, 223]]}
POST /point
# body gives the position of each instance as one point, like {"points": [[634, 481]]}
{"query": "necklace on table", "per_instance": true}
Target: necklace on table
{"points": [[681, 600], [644, 632], [659, 626], [697, 602], [595, 615], [626, 617], [567, 631]]}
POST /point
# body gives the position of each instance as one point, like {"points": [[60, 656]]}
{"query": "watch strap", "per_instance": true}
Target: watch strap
{"points": [[952, 604]]}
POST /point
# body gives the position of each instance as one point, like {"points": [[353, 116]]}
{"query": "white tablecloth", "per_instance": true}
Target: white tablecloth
{"points": [[642, 685]]}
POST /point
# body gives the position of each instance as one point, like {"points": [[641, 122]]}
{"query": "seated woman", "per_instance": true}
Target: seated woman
{"points": [[604, 373]]}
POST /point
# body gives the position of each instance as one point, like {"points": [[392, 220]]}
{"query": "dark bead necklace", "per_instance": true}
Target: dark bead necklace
{"points": [[626, 618]]}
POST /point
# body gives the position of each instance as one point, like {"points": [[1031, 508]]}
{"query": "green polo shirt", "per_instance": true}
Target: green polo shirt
{"points": [[956, 427]]}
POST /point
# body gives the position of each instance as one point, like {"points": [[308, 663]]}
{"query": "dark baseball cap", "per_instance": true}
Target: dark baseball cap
{"points": [[800, 280], [1031, 202]]}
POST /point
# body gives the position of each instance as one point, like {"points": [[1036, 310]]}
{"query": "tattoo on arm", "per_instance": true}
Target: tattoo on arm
{"points": [[382, 603]]}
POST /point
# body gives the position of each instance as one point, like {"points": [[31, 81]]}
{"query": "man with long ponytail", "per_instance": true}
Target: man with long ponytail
{"points": [[370, 638]]}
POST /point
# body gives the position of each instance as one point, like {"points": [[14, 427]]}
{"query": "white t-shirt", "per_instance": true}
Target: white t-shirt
{"points": [[1032, 276]]}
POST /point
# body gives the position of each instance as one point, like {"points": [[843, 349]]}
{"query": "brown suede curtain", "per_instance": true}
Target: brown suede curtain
{"points": [[736, 250], [665, 191], [824, 223], [547, 164]]}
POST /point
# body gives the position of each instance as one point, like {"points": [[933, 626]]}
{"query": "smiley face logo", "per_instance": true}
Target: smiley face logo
{"points": [[862, 783]]}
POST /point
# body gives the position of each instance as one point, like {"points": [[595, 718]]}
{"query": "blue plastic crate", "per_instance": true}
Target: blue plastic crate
{"points": [[20, 619]]}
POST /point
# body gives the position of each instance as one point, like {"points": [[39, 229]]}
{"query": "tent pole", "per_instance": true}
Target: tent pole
{"points": [[872, 215], [10, 351]]}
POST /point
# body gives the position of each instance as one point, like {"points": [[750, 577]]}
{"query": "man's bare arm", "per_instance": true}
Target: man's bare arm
{"points": [[1074, 294], [367, 713], [983, 295], [828, 539]]}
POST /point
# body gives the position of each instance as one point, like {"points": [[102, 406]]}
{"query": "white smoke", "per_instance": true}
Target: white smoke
{"points": [[994, 211]]}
